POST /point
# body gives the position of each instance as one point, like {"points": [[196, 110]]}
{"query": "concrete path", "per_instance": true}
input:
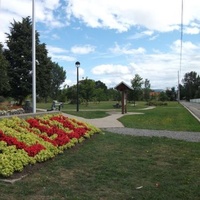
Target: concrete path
{"points": [[106, 122], [109, 121]]}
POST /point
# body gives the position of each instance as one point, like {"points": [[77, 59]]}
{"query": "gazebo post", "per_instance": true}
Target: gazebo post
{"points": [[123, 88], [123, 102]]}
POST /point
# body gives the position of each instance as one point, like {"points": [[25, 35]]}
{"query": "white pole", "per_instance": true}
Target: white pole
{"points": [[178, 88], [33, 58], [181, 50]]}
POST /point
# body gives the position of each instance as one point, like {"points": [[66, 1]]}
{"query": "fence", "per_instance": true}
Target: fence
{"points": [[195, 100]]}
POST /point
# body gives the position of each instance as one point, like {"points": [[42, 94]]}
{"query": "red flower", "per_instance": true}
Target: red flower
{"points": [[31, 150]]}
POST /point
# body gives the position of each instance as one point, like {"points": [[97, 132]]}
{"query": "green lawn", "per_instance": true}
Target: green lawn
{"points": [[112, 166], [102, 106], [172, 117]]}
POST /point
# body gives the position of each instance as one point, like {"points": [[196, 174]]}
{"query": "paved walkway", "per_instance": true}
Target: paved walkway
{"points": [[111, 124], [109, 121], [106, 122]]}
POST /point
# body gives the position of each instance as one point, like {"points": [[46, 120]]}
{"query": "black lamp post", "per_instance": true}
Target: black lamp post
{"points": [[77, 98]]}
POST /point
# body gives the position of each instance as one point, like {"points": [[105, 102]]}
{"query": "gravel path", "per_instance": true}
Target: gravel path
{"points": [[179, 135]]}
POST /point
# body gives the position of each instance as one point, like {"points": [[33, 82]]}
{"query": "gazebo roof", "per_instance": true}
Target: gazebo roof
{"points": [[123, 86]]}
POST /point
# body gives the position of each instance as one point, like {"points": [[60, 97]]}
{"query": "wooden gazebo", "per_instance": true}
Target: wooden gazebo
{"points": [[123, 87]]}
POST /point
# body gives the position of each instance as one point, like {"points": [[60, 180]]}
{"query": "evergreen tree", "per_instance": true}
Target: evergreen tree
{"points": [[147, 89], [19, 55], [58, 75], [191, 83], [44, 74], [136, 83], [4, 80]]}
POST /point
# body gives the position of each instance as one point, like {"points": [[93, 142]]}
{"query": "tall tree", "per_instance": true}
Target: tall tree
{"points": [[4, 80], [86, 89], [136, 83], [43, 72], [58, 75], [191, 83], [147, 89], [100, 91], [171, 94], [19, 55]]}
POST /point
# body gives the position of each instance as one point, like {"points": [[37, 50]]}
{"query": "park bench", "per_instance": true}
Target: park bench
{"points": [[56, 105]]}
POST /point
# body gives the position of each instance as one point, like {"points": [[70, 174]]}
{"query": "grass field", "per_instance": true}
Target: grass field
{"points": [[111, 166], [104, 105], [172, 117], [115, 167]]}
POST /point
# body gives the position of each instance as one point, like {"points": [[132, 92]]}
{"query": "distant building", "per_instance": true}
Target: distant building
{"points": [[154, 94]]}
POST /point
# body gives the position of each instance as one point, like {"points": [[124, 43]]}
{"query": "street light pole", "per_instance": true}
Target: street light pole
{"points": [[33, 59], [77, 95]]}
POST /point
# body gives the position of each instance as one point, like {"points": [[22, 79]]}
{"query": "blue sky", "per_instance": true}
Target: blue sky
{"points": [[115, 39]]}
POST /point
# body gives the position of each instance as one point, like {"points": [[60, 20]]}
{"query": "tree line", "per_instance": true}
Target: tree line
{"points": [[16, 75]]}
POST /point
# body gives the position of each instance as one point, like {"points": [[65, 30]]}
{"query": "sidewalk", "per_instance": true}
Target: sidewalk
{"points": [[106, 122]]}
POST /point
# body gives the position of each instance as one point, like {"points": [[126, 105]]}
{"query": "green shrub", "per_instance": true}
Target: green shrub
{"points": [[156, 103], [2, 99]]}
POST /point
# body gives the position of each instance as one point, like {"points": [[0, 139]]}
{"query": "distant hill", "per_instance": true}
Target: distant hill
{"points": [[157, 90]]}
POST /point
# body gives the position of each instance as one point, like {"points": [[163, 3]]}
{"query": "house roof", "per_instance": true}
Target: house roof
{"points": [[123, 86]]}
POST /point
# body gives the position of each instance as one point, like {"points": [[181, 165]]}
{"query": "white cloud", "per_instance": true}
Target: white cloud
{"points": [[126, 50], [161, 68], [86, 49], [187, 47], [156, 15], [110, 69], [15, 10], [111, 74], [60, 58], [59, 54], [192, 30], [142, 34], [54, 50], [144, 19]]}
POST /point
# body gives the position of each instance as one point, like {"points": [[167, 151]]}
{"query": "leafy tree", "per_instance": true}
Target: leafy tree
{"points": [[171, 94], [191, 84], [58, 77], [136, 83], [100, 91], [147, 89], [100, 95], [99, 84], [86, 89], [182, 91], [4, 79], [71, 93], [19, 55], [113, 94], [49, 75], [163, 96], [43, 72]]}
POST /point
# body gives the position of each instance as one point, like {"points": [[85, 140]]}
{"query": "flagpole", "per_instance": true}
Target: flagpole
{"points": [[181, 50], [33, 59]]}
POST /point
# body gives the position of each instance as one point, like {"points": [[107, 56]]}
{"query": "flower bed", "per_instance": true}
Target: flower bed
{"points": [[37, 139], [13, 111]]}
